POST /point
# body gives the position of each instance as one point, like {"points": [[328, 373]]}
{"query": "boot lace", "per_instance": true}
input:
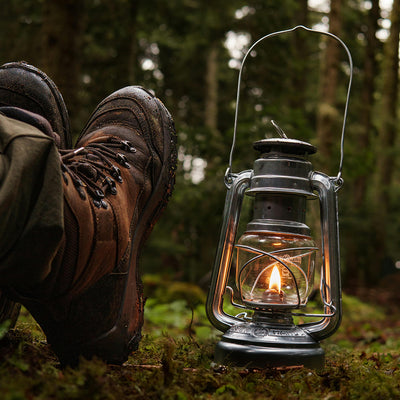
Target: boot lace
{"points": [[90, 168]]}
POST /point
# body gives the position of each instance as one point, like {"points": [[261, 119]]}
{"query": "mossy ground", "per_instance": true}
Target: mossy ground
{"points": [[175, 361]]}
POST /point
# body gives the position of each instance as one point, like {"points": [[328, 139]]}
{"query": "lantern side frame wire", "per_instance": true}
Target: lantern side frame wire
{"points": [[233, 204], [326, 188], [338, 180]]}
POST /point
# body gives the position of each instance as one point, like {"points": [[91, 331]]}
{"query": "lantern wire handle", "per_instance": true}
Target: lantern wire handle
{"points": [[338, 180]]}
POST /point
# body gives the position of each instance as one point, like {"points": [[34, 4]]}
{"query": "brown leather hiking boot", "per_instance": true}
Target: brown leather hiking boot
{"points": [[116, 183], [26, 87]]}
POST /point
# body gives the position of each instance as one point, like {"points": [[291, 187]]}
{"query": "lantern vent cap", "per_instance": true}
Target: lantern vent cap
{"points": [[284, 145]]}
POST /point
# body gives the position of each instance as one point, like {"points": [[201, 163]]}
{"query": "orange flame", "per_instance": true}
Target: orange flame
{"points": [[275, 280]]}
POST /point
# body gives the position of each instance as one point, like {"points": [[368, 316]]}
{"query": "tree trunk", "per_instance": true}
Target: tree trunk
{"points": [[367, 98], [356, 253], [211, 100], [387, 136], [327, 115], [62, 36], [132, 62], [388, 127], [299, 68]]}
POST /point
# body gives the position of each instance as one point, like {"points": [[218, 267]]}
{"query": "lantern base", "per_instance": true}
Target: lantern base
{"points": [[254, 345]]}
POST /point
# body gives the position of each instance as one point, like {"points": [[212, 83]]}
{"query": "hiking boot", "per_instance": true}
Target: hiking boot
{"points": [[116, 183], [25, 86]]}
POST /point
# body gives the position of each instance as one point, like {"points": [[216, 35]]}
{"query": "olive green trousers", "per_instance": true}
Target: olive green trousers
{"points": [[31, 203]]}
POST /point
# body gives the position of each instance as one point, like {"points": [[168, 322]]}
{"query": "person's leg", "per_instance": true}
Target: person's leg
{"points": [[24, 90], [116, 183], [31, 224]]}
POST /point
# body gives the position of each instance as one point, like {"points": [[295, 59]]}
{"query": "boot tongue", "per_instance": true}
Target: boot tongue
{"points": [[88, 170]]}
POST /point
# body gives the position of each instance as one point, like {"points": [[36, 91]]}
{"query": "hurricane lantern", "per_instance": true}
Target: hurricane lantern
{"points": [[268, 273]]}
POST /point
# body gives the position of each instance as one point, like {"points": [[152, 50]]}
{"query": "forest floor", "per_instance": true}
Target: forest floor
{"points": [[175, 358]]}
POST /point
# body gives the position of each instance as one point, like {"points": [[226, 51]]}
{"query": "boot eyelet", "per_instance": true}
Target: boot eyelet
{"points": [[99, 193], [82, 193], [78, 183], [108, 181], [127, 146], [110, 185], [116, 173], [122, 160], [100, 204]]}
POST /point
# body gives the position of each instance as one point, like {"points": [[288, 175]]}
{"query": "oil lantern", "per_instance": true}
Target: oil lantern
{"points": [[267, 275]]}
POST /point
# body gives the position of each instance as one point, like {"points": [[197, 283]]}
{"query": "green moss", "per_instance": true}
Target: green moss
{"points": [[174, 362]]}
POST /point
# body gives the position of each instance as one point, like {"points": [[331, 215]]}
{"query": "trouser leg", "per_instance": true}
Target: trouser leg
{"points": [[31, 203]]}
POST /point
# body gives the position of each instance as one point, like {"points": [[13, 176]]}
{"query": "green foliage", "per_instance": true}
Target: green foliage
{"points": [[176, 308]]}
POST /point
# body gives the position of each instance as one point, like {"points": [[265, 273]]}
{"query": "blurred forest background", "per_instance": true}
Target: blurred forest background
{"points": [[189, 52]]}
